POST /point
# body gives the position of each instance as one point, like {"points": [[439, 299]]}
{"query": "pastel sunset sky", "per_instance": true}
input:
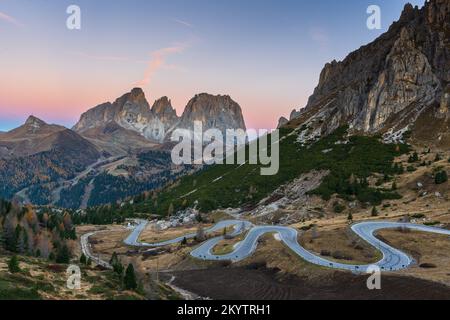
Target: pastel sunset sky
{"points": [[266, 54]]}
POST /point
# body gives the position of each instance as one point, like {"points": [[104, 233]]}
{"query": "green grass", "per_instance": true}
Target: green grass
{"points": [[11, 289], [241, 186]]}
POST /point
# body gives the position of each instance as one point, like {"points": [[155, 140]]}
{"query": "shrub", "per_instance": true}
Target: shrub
{"points": [[441, 177], [413, 158], [432, 223], [338, 208], [341, 256]]}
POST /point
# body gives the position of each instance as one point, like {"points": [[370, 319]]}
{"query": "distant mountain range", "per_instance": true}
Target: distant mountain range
{"points": [[130, 124], [115, 150]]}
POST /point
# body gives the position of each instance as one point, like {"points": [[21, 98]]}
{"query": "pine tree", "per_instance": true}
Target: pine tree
{"points": [[116, 264], [394, 186], [2, 238], [374, 212], [13, 264], [350, 217], [83, 259], [130, 278], [51, 256], [63, 255], [170, 210]]}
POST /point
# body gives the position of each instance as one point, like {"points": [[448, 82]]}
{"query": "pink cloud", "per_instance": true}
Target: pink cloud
{"points": [[158, 61], [9, 19]]}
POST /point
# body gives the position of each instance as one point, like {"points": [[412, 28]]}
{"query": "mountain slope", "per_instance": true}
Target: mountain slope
{"points": [[385, 86], [387, 91], [32, 137], [37, 155]]}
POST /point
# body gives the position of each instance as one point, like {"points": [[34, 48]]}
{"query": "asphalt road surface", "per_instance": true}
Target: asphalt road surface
{"points": [[393, 259], [86, 249]]}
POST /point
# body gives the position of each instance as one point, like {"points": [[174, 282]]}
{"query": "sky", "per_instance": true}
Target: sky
{"points": [[266, 54]]}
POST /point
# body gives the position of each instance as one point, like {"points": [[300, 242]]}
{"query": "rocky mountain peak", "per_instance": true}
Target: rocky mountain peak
{"points": [[388, 85], [408, 12], [136, 95], [136, 123], [34, 122], [282, 121], [163, 110], [219, 111], [163, 106]]}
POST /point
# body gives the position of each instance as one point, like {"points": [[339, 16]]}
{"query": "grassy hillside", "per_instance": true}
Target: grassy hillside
{"points": [[224, 186], [40, 279]]}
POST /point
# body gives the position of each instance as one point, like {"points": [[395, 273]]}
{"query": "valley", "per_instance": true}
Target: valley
{"points": [[362, 183]]}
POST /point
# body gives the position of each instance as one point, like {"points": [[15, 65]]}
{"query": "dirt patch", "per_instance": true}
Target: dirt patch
{"points": [[264, 284]]}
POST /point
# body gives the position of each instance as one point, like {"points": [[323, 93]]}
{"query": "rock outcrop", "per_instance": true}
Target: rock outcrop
{"points": [[282, 121], [387, 85], [130, 124], [219, 112], [163, 110]]}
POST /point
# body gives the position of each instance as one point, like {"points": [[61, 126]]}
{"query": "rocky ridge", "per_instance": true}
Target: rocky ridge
{"points": [[391, 84]]}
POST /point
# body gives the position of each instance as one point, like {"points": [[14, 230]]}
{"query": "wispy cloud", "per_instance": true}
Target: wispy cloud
{"points": [[184, 23], [11, 20], [157, 61]]}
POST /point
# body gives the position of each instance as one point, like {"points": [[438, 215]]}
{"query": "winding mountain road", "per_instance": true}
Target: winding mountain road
{"points": [[393, 259], [86, 249]]}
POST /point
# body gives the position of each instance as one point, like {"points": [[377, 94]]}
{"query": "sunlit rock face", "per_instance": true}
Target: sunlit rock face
{"points": [[389, 83], [130, 123]]}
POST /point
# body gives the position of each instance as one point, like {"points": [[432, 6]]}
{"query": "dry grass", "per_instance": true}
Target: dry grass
{"points": [[226, 246], [425, 248], [339, 244]]}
